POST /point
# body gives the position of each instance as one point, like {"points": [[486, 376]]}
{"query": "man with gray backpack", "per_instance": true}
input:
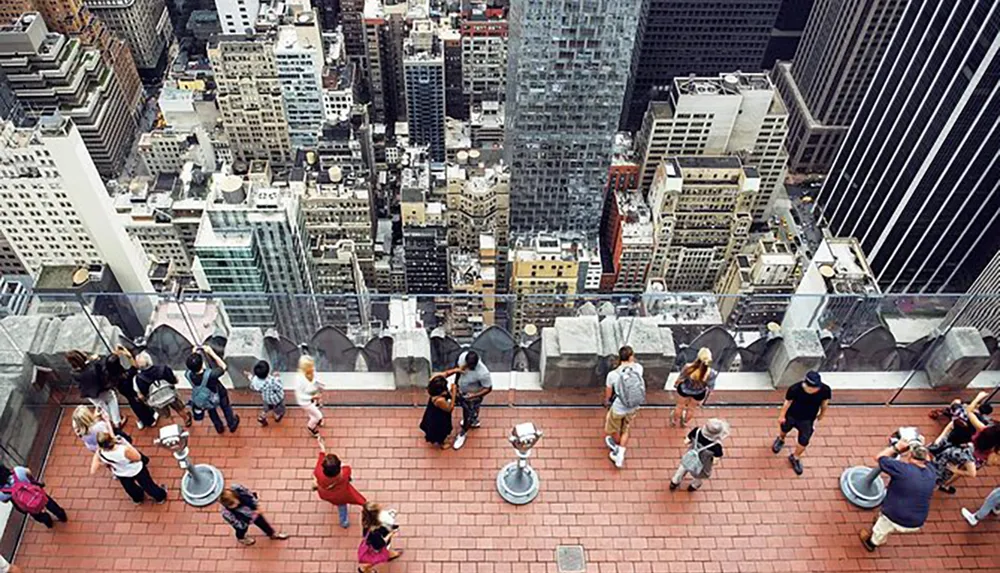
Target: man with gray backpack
{"points": [[704, 446], [208, 394], [624, 394], [157, 386]]}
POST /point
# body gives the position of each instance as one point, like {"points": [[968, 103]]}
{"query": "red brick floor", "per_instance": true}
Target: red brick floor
{"points": [[753, 515]]}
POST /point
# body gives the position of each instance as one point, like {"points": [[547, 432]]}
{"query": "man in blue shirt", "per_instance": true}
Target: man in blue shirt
{"points": [[908, 496]]}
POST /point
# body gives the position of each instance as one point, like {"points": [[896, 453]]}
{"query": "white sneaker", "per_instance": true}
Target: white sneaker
{"points": [[996, 511], [618, 456], [610, 443], [139, 424], [970, 517], [459, 441]]}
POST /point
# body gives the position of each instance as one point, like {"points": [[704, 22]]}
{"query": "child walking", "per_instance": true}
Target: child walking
{"points": [[272, 392]]}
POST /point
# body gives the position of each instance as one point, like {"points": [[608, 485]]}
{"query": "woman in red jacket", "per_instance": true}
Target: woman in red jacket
{"points": [[332, 480]]}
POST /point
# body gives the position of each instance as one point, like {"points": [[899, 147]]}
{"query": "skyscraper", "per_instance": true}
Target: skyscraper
{"points": [[250, 98], [49, 71], [731, 114], [916, 179], [787, 31], [54, 207], [143, 24], [567, 73], [10, 107], [836, 62], [237, 16], [681, 37], [423, 68]]}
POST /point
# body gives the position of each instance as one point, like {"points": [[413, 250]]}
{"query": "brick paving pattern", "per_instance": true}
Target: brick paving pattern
{"points": [[753, 515]]}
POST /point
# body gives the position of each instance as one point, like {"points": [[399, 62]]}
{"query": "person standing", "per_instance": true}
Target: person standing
{"points": [[89, 422], [129, 466], [704, 447], [378, 527], [693, 385], [908, 496], [624, 394], [120, 366], [474, 383], [436, 423], [308, 393], [272, 392], [990, 505], [208, 393], [332, 481], [157, 387], [28, 495], [239, 509], [95, 385], [805, 404]]}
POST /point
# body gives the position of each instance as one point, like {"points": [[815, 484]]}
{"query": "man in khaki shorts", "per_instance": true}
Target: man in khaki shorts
{"points": [[620, 417]]}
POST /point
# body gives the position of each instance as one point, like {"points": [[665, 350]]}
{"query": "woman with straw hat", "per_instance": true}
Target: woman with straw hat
{"points": [[704, 446], [695, 382]]}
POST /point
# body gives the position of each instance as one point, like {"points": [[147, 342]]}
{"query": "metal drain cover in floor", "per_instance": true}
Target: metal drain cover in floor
{"points": [[571, 559]]}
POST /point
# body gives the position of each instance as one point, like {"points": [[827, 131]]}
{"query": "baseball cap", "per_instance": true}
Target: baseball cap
{"points": [[813, 378]]}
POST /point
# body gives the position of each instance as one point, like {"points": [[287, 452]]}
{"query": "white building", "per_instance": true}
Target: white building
{"points": [[298, 56], [54, 207], [237, 16], [733, 114], [701, 219]]}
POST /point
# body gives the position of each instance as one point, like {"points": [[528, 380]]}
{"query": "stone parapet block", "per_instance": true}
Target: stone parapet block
{"points": [[958, 358]]}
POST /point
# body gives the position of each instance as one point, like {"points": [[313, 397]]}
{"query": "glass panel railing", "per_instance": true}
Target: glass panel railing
{"points": [[544, 349]]}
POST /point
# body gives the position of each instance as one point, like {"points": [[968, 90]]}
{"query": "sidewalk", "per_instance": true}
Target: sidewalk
{"points": [[753, 515]]}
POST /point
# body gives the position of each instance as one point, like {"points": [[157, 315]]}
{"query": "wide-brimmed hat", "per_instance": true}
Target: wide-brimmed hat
{"points": [[715, 429], [705, 355]]}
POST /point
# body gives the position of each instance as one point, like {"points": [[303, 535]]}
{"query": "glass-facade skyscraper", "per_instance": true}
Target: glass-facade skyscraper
{"points": [[916, 181], [567, 73]]}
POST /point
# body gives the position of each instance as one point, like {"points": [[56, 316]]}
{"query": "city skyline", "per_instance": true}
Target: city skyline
{"points": [[389, 148]]}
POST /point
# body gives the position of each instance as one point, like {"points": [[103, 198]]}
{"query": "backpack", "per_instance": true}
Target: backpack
{"points": [[631, 390], [161, 394], [202, 396], [691, 460], [28, 497]]}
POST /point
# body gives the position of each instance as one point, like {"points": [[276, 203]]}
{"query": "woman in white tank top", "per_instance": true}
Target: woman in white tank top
{"points": [[129, 466]]}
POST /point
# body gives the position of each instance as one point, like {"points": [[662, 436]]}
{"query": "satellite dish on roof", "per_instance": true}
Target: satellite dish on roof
{"points": [[827, 271]]}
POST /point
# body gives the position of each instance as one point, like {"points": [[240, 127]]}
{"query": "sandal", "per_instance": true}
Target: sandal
{"points": [[247, 541], [396, 556], [947, 488], [280, 536]]}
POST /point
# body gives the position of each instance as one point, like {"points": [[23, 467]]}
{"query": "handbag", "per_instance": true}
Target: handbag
{"points": [[691, 460]]}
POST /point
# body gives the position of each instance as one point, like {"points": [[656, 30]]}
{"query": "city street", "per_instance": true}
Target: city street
{"points": [[754, 514]]}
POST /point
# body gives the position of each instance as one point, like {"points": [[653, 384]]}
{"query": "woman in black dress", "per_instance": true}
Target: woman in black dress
{"points": [[437, 416]]}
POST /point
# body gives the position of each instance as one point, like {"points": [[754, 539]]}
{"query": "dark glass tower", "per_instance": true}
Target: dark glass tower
{"points": [[10, 106], [917, 180], [682, 37]]}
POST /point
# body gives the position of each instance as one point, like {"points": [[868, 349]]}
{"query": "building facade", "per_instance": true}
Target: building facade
{"points": [[787, 32], [252, 242], [757, 286], [915, 181], [678, 38], [484, 54], [732, 114], [55, 209], [49, 71], [423, 70], [250, 99], [237, 17], [544, 276], [298, 59], [143, 24], [701, 219], [567, 73], [833, 68]]}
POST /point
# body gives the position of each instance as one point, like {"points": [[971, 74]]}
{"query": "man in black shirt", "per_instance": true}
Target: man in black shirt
{"points": [[196, 374], [805, 404], [148, 381]]}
